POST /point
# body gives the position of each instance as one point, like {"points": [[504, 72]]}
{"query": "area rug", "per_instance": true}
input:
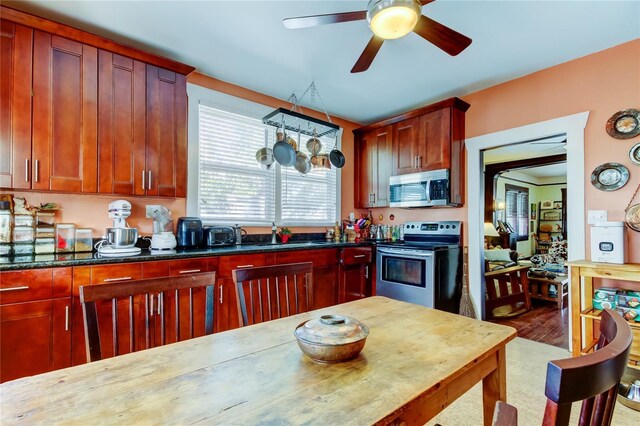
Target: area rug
{"points": [[526, 374]]}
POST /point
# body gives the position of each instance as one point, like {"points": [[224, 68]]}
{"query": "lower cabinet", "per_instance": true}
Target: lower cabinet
{"points": [[356, 275], [35, 335]]}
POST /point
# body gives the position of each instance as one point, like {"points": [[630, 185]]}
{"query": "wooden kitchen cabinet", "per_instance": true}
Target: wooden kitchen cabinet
{"points": [[16, 52], [121, 124], [373, 167], [166, 148], [355, 274], [35, 334], [65, 113], [428, 138]]}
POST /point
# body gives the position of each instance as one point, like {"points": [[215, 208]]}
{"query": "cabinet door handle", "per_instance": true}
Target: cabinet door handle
{"points": [[26, 170], [149, 180], [159, 300], [143, 175], [244, 266], [374, 198], [415, 162], [359, 256], [21, 287], [220, 287], [366, 271], [66, 318], [37, 165], [420, 161], [151, 299], [108, 280], [189, 271]]}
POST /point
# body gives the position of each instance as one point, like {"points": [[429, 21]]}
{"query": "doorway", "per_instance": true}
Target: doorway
{"points": [[573, 127], [525, 202]]}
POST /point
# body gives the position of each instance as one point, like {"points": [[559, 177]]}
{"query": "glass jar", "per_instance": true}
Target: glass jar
{"points": [[23, 249], [45, 232], [65, 237], [23, 220], [24, 234], [84, 239], [6, 222], [45, 218], [45, 245]]}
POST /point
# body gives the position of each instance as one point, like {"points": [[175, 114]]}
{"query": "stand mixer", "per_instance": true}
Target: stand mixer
{"points": [[120, 239], [163, 238]]}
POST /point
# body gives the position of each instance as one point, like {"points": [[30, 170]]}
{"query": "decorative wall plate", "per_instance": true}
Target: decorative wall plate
{"points": [[634, 154], [624, 124], [610, 176]]}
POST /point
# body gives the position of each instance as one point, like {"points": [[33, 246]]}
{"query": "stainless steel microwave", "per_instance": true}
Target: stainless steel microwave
{"points": [[424, 189]]}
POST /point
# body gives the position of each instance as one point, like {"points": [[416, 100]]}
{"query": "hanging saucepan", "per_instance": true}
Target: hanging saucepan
{"points": [[335, 156], [303, 165], [264, 155], [321, 161], [284, 153]]}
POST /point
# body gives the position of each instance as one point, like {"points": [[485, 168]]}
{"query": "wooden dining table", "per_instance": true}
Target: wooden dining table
{"points": [[416, 362]]}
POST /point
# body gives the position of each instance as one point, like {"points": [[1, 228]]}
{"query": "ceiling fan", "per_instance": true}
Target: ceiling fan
{"points": [[390, 19]]}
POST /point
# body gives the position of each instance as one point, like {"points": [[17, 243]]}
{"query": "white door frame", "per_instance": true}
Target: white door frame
{"points": [[571, 125]]}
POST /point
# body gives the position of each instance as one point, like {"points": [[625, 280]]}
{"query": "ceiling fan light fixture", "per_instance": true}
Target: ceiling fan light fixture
{"points": [[391, 19]]}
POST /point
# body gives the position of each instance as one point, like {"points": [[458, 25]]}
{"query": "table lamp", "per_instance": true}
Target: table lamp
{"points": [[489, 231]]}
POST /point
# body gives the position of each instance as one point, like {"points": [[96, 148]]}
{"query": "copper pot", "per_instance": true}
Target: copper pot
{"points": [[331, 338]]}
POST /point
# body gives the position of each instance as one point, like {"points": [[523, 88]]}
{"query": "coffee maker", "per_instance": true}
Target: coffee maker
{"points": [[120, 240]]}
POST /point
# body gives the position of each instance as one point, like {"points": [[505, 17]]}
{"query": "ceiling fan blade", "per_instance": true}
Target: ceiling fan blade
{"points": [[369, 53], [330, 18], [443, 37], [425, 2]]}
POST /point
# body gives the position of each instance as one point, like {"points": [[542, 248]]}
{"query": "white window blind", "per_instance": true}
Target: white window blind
{"points": [[234, 188], [517, 210]]}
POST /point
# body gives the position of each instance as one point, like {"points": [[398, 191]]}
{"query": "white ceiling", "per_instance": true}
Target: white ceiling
{"points": [[245, 43]]}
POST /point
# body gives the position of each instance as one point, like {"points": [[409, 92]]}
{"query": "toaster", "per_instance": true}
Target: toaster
{"points": [[189, 232], [215, 236]]}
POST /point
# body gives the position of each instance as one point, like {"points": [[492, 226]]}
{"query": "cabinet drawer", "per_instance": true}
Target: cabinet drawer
{"points": [[188, 266], [355, 255], [229, 263], [114, 273], [34, 284], [322, 257]]}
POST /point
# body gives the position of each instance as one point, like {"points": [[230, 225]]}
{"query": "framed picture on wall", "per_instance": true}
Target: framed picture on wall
{"points": [[557, 205], [533, 211], [546, 204]]}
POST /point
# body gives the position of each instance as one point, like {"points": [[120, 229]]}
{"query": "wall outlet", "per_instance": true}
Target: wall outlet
{"points": [[150, 209], [595, 216], [352, 216]]}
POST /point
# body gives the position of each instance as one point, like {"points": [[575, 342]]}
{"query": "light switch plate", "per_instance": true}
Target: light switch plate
{"points": [[150, 209], [595, 216]]}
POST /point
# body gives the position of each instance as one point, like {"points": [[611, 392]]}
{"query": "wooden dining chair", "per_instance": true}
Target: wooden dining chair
{"points": [[593, 379], [156, 311], [271, 292], [508, 288]]}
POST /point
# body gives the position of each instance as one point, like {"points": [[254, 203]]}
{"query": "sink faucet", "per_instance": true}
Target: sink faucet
{"points": [[274, 229]]}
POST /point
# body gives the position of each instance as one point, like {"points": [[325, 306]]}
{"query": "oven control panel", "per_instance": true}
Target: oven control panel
{"points": [[451, 227]]}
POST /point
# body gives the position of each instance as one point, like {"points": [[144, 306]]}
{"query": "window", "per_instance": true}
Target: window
{"points": [[517, 210], [233, 188]]}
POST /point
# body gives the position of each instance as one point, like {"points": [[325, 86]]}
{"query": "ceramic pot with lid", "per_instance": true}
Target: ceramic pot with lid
{"points": [[331, 338]]}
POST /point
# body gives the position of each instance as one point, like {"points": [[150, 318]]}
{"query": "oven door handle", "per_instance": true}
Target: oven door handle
{"points": [[415, 254]]}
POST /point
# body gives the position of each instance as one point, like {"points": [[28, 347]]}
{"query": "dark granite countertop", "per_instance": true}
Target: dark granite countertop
{"points": [[82, 259]]}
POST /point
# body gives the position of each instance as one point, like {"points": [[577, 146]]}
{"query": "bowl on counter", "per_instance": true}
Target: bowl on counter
{"points": [[331, 338]]}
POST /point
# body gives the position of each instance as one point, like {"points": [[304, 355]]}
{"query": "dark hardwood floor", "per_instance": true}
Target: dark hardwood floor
{"points": [[545, 323]]}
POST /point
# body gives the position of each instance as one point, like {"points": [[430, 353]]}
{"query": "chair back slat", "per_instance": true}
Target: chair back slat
{"points": [[171, 293], [271, 292], [593, 378], [507, 286]]}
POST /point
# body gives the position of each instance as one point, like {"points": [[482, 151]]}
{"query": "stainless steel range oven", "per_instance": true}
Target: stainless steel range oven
{"points": [[426, 268]]}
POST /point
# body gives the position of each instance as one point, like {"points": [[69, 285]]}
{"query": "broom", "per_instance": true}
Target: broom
{"points": [[466, 305]]}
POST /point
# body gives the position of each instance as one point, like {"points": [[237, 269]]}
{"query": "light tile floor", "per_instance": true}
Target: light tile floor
{"points": [[526, 373]]}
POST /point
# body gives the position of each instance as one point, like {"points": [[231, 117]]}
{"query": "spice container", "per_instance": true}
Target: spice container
{"points": [[84, 239], [6, 222], [23, 220], [44, 219], [65, 237], [24, 234], [45, 245], [45, 232], [22, 249]]}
